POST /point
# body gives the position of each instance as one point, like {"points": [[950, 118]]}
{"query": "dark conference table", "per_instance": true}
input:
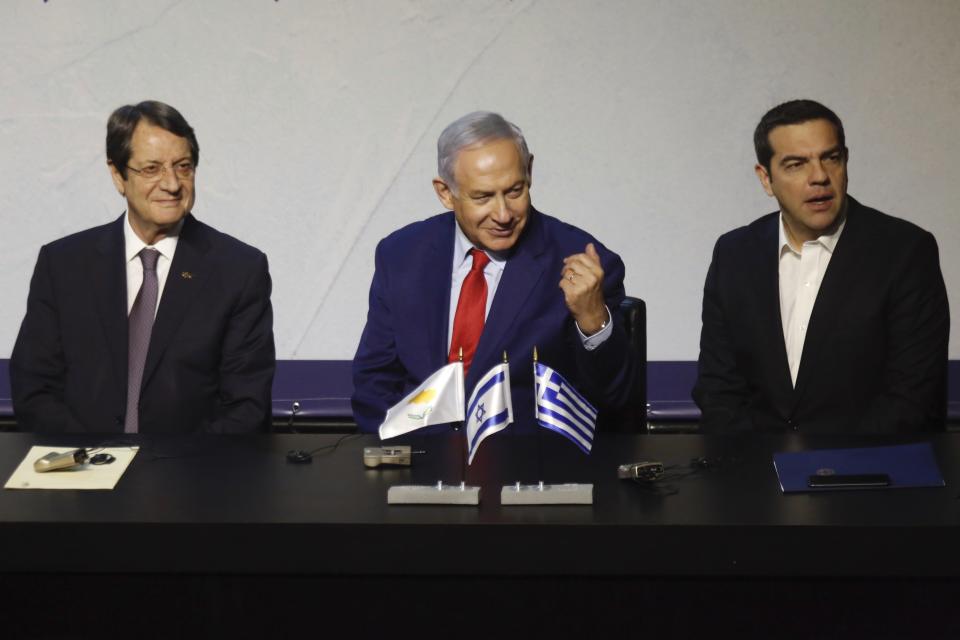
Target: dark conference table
{"points": [[232, 518]]}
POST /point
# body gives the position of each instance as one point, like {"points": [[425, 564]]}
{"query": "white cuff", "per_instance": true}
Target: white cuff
{"points": [[592, 342]]}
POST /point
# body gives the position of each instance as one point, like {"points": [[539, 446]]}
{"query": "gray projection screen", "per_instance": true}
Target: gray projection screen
{"points": [[317, 124]]}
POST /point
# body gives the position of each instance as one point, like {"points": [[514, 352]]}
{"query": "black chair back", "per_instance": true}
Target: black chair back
{"points": [[632, 418]]}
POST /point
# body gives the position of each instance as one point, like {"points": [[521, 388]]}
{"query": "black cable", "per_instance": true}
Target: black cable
{"points": [[676, 472], [299, 456], [333, 447]]}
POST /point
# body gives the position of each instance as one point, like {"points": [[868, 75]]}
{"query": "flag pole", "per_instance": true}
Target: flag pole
{"points": [[539, 435], [438, 399], [551, 396], [458, 426]]}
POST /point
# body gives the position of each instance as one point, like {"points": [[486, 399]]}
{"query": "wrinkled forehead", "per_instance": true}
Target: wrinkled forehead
{"points": [[495, 162], [152, 143], [803, 138]]}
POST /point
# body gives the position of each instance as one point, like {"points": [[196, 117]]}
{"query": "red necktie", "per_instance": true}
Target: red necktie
{"points": [[468, 322]]}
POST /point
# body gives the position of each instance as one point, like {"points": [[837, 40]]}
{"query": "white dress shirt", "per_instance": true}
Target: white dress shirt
{"points": [[133, 245], [463, 262], [801, 273]]}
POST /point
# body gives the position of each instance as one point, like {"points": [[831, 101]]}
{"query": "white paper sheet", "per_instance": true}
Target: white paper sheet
{"points": [[85, 476]]}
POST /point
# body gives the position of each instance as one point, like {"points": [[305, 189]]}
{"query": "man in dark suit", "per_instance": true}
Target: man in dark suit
{"points": [[423, 295], [154, 323], [825, 316]]}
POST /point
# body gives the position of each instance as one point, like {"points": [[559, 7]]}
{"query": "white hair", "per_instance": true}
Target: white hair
{"points": [[473, 129]]}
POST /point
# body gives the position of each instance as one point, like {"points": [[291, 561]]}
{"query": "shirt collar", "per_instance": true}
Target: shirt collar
{"points": [[828, 241], [462, 247], [134, 245]]}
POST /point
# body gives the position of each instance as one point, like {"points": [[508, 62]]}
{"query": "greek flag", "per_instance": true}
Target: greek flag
{"points": [[489, 409], [561, 408]]}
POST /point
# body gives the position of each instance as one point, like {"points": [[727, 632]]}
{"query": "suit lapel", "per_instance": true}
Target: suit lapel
{"points": [[835, 288], [768, 286], [437, 270], [523, 271], [109, 275], [422, 300], [188, 273]]}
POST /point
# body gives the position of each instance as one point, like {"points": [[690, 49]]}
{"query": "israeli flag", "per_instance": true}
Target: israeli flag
{"points": [[489, 409], [561, 408]]}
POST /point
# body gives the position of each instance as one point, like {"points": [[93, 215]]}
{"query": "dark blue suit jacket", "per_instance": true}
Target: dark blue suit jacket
{"points": [[211, 357], [875, 356], [405, 338]]}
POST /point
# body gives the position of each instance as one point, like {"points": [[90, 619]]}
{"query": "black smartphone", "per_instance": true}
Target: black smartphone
{"points": [[849, 481]]}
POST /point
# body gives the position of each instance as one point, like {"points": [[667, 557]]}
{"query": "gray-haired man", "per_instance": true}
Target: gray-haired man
{"points": [[484, 277]]}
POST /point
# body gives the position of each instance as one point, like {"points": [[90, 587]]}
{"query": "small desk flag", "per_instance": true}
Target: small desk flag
{"points": [[561, 408], [489, 409], [439, 399]]}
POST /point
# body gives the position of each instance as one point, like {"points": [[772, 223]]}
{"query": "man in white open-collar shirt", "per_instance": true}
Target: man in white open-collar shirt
{"points": [[825, 316]]}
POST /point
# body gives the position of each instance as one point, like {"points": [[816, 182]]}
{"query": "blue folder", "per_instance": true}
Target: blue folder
{"points": [[908, 465]]}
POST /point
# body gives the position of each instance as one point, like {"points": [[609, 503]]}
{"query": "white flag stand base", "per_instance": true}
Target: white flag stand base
{"points": [[546, 494], [433, 494]]}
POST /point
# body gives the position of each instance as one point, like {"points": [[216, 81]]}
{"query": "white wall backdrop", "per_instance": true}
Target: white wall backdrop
{"points": [[318, 120]]}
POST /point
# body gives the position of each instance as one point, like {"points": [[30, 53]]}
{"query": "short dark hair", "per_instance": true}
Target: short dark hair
{"points": [[792, 112], [124, 120]]}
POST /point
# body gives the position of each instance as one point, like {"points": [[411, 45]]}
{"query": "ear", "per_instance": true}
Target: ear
{"points": [[443, 192], [118, 180], [530, 172], [764, 176]]}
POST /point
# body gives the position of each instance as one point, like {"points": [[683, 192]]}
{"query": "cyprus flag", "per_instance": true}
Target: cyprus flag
{"points": [[438, 400]]}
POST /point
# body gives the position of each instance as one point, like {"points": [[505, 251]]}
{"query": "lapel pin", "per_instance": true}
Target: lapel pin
{"points": [[186, 275]]}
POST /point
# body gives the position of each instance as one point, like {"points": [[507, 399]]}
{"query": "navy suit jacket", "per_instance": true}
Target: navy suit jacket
{"points": [[405, 338], [210, 361], [875, 356]]}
